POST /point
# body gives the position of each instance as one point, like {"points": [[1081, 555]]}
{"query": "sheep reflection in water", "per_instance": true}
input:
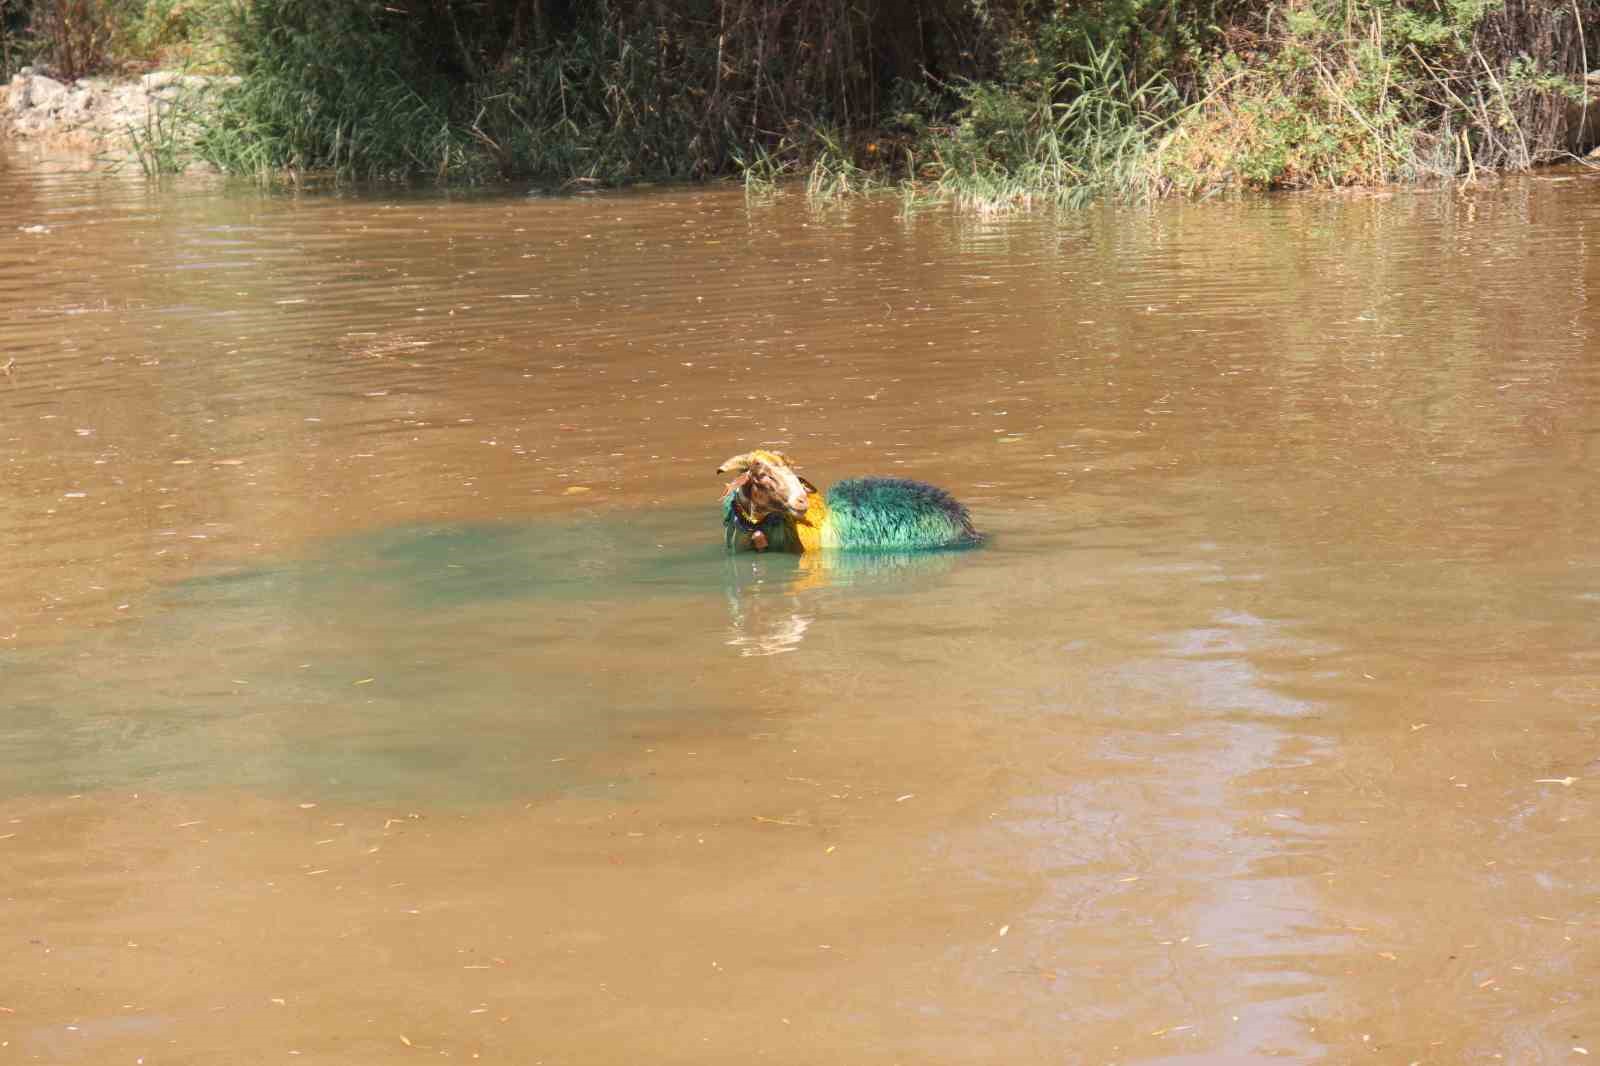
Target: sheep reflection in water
{"points": [[774, 600]]}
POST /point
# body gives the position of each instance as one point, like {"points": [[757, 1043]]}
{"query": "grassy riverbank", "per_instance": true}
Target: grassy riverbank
{"points": [[988, 102]]}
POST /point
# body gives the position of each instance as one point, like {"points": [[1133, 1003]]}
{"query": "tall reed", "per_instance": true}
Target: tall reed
{"points": [[1087, 132]]}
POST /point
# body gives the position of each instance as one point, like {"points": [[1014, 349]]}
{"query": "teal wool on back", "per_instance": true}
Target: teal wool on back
{"points": [[769, 506], [895, 514]]}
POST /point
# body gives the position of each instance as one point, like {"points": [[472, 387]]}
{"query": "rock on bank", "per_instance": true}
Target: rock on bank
{"points": [[105, 117]]}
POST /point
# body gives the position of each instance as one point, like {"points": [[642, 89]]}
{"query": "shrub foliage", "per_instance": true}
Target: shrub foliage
{"points": [[990, 101]]}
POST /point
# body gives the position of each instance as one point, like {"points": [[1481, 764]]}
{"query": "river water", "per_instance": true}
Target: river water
{"points": [[377, 689]]}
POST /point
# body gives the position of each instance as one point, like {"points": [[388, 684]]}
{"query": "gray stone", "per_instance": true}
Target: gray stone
{"points": [[96, 114], [47, 93], [21, 93], [78, 105]]}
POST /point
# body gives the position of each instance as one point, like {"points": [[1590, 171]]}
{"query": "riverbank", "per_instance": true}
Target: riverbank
{"points": [[151, 121], [1010, 107]]}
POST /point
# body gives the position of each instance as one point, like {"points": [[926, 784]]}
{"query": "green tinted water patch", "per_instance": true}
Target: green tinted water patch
{"points": [[462, 663]]}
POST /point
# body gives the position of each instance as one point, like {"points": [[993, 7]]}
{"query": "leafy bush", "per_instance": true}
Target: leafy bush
{"points": [[1364, 91], [15, 49], [609, 91], [73, 36], [176, 33]]}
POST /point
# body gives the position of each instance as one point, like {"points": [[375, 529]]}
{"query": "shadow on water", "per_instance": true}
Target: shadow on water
{"points": [[462, 662]]}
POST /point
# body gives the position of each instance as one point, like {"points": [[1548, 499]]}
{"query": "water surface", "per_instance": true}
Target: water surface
{"points": [[376, 685]]}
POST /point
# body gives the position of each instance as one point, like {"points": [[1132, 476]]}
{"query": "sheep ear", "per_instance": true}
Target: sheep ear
{"points": [[737, 465]]}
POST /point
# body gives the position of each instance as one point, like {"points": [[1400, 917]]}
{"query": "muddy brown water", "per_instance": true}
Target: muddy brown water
{"points": [[376, 688]]}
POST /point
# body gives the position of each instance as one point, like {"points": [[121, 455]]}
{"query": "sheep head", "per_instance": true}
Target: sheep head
{"points": [[768, 483]]}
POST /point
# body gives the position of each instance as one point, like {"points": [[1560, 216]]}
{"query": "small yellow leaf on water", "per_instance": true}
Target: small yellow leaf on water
{"points": [[576, 490], [366, 681], [1565, 782], [406, 1040]]}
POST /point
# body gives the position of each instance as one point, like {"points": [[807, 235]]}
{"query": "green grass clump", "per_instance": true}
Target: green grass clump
{"points": [[835, 172], [1086, 131], [322, 90]]}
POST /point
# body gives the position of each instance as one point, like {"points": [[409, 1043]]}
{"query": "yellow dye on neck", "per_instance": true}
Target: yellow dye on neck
{"points": [[808, 530]]}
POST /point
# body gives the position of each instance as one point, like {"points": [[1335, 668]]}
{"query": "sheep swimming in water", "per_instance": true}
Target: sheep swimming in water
{"points": [[769, 505]]}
